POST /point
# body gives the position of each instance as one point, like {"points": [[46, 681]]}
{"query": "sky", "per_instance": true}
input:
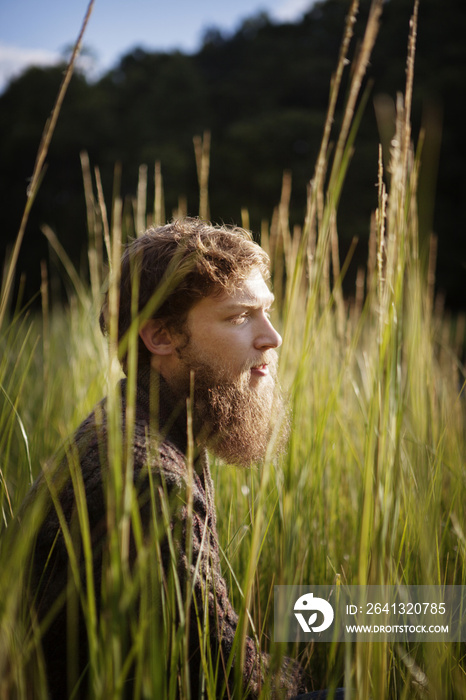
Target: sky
{"points": [[39, 31]]}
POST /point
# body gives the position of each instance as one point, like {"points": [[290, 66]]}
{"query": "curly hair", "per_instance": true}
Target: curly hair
{"points": [[170, 268]]}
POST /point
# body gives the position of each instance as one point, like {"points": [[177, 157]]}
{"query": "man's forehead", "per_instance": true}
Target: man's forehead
{"points": [[251, 291]]}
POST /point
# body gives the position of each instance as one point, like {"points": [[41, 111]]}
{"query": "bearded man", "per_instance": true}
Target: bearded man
{"points": [[206, 369]]}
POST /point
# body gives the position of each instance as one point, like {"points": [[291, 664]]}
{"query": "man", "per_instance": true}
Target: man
{"points": [[206, 367]]}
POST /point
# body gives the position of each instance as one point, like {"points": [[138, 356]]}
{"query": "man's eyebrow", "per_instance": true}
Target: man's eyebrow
{"points": [[251, 303]]}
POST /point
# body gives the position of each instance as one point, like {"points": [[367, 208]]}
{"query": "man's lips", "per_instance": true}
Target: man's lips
{"points": [[260, 370]]}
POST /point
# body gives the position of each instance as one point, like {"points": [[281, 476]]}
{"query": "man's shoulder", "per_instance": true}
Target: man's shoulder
{"points": [[101, 440]]}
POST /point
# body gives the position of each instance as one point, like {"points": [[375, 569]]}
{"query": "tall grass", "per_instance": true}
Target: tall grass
{"points": [[371, 489]]}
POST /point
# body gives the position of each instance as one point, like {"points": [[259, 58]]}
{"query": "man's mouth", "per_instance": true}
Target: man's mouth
{"points": [[260, 370]]}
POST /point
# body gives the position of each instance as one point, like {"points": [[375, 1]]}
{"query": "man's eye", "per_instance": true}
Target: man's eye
{"points": [[241, 318]]}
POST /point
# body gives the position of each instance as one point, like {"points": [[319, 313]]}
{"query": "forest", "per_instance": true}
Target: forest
{"points": [[261, 93]]}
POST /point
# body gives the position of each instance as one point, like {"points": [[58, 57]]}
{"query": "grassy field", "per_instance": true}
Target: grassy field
{"points": [[371, 489]]}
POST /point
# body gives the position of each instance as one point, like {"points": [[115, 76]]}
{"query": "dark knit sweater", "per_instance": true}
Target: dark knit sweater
{"points": [[160, 467]]}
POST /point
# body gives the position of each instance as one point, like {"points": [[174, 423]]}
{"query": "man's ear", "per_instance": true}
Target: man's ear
{"points": [[157, 338]]}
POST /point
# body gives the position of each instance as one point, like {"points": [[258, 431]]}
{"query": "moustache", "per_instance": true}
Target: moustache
{"points": [[268, 359]]}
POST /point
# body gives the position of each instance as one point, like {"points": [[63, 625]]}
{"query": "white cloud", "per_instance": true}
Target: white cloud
{"points": [[14, 60], [291, 10]]}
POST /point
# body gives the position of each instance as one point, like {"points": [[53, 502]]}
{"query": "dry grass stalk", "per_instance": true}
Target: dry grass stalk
{"points": [[202, 153], [319, 176], [245, 221], [159, 206], [432, 264], [380, 219], [141, 202], [409, 85], [103, 212], [66, 262]]}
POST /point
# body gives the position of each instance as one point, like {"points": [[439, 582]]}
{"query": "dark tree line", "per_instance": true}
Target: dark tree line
{"points": [[263, 93]]}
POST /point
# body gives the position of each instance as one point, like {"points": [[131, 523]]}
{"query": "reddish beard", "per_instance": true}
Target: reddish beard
{"points": [[234, 419]]}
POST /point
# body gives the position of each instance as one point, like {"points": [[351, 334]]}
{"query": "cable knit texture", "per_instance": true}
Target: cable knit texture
{"points": [[159, 466]]}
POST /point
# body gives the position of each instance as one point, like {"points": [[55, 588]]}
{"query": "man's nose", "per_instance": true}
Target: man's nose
{"points": [[268, 337]]}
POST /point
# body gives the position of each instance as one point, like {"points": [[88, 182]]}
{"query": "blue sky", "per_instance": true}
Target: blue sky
{"points": [[37, 31]]}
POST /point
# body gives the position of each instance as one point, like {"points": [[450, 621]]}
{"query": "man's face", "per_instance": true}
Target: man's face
{"points": [[233, 333], [231, 350]]}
